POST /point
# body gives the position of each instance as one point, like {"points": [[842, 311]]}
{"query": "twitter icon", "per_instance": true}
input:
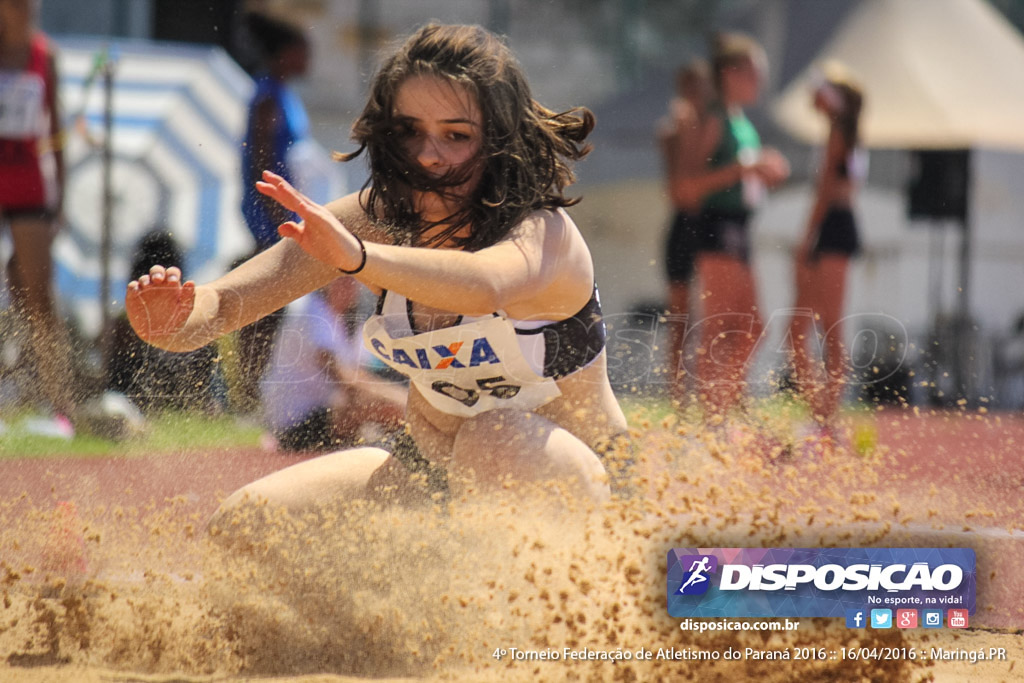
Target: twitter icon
{"points": [[881, 618]]}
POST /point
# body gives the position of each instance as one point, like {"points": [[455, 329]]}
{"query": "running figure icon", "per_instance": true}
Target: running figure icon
{"points": [[698, 571]]}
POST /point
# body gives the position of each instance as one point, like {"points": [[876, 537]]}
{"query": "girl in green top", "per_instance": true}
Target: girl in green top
{"points": [[725, 171]]}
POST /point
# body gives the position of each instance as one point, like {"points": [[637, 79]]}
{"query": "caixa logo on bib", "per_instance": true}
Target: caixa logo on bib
{"points": [[816, 582], [439, 356]]}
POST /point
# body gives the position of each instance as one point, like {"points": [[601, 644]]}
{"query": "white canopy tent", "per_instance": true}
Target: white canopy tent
{"points": [[937, 75], [942, 74]]}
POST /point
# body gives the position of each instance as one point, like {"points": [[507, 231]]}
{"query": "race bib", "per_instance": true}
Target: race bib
{"points": [[21, 106], [463, 370]]}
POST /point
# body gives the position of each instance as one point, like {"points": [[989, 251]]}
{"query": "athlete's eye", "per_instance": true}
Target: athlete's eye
{"points": [[403, 129]]}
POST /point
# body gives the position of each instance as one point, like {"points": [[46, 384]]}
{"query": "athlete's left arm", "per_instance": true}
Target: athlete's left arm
{"points": [[543, 270]]}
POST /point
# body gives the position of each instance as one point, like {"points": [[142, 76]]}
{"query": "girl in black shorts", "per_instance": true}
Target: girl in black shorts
{"points": [[683, 125], [824, 254]]}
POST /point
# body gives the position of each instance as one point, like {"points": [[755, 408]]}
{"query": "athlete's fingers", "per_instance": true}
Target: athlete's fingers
{"points": [[144, 281], [156, 274], [276, 183], [285, 199], [277, 180], [290, 229], [284, 189], [173, 274]]}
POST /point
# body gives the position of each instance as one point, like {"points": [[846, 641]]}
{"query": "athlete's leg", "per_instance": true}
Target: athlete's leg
{"points": [[678, 309], [500, 447], [730, 327], [314, 484], [30, 274], [830, 284], [803, 331]]}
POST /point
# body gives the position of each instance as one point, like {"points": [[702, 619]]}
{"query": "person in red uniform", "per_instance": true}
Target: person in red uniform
{"points": [[31, 191]]}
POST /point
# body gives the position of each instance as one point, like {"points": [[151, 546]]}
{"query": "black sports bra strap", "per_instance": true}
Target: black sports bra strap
{"points": [[575, 342]]}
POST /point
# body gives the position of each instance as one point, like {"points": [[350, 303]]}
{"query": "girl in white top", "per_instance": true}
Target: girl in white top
{"points": [[462, 218], [319, 390]]}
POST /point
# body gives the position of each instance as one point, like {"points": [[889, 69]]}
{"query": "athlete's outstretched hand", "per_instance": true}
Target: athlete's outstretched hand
{"points": [[320, 234], [158, 304]]}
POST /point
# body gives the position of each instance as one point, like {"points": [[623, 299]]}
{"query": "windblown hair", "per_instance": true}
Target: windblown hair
{"points": [[526, 155]]}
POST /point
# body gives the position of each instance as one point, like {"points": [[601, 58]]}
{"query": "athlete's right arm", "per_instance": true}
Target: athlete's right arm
{"points": [[181, 316]]}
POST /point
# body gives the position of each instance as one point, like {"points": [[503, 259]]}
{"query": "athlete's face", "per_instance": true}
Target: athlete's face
{"points": [[16, 17], [443, 132], [294, 60], [827, 100], [742, 82]]}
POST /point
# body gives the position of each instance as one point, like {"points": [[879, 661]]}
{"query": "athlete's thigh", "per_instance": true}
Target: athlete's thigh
{"points": [[729, 300], [830, 286], [503, 445], [727, 285]]}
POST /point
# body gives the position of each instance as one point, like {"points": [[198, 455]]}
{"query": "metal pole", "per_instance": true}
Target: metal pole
{"points": [[106, 238], [963, 310]]}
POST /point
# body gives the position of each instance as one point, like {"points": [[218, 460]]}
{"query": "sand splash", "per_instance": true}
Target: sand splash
{"points": [[437, 591]]}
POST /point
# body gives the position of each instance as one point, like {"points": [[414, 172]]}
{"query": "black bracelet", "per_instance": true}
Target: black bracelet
{"points": [[362, 264]]}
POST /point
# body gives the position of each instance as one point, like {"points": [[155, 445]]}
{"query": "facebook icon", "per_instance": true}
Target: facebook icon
{"points": [[856, 618]]}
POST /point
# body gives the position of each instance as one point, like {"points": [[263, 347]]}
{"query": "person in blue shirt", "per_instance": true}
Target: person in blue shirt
{"points": [[277, 122]]}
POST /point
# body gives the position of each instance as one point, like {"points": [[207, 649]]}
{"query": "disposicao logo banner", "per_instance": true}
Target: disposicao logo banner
{"points": [[816, 582]]}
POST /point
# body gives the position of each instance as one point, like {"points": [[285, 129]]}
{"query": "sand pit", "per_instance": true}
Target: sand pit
{"points": [[122, 583]]}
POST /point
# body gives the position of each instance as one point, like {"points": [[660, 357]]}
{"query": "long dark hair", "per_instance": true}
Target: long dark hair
{"points": [[525, 156], [851, 95], [848, 119]]}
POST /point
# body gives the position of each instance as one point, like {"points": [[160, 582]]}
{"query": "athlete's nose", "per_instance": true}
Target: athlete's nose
{"points": [[429, 153]]}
